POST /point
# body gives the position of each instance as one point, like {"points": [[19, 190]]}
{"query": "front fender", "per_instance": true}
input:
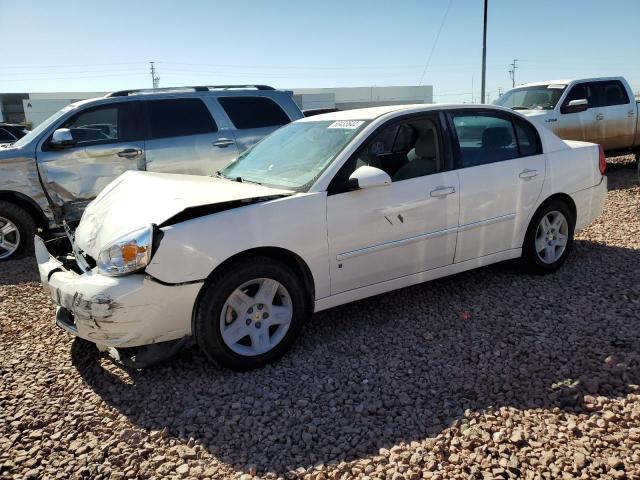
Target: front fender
{"points": [[189, 251]]}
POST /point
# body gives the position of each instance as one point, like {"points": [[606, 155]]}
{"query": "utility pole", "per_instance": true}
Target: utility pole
{"points": [[154, 79], [484, 52], [512, 72]]}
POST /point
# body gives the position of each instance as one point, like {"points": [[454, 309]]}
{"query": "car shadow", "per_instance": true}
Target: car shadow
{"points": [[402, 366], [22, 270]]}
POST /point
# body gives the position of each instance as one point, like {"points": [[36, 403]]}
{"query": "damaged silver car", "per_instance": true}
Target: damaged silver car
{"points": [[48, 176]]}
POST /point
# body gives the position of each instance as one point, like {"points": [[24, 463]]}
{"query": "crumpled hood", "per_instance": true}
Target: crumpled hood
{"points": [[136, 199]]}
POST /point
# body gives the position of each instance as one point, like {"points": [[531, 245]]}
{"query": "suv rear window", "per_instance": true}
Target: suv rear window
{"points": [[253, 112], [179, 117]]}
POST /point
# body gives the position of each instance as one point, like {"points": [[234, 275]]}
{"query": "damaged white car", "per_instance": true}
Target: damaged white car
{"points": [[327, 210]]}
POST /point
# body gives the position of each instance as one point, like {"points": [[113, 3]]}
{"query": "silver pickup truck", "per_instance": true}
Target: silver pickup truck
{"points": [[53, 172], [599, 110]]}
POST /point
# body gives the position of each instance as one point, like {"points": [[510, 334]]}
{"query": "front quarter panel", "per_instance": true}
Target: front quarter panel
{"points": [[191, 250], [19, 174]]}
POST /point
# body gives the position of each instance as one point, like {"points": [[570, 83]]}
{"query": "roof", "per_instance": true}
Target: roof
{"points": [[567, 81], [375, 112]]}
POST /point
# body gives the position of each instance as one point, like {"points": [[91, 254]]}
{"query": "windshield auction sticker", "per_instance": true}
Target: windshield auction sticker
{"points": [[346, 124], [556, 87]]}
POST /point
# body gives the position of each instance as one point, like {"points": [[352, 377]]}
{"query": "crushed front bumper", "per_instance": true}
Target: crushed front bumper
{"points": [[127, 311]]}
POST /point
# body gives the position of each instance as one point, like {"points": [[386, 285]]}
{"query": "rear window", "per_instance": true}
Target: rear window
{"points": [[253, 112], [613, 93], [528, 140], [179, 117]]}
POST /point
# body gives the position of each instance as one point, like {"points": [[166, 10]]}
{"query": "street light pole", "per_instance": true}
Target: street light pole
{"points": [[484, 53]]}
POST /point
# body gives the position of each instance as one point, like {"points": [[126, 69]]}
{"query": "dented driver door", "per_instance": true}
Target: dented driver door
{"points": [[108, 140]]}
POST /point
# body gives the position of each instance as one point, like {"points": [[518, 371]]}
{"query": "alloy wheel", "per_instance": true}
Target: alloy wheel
{"points": [[256, 317], [9, 238], [552, 235]]}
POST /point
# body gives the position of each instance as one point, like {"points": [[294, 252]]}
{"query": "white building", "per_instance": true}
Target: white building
{"points": [[36, 107]]}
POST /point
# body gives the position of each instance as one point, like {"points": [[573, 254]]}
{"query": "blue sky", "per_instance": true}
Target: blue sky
{"points": [[106, 45]]}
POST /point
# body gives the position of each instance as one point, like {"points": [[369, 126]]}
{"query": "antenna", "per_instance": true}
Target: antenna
{"points": [[154, 79]]}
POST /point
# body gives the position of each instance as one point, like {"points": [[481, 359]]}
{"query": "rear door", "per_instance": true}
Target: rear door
{"points": [[580, 125], [108, 139], [501, 171], [617, 116], [183, 137], [253, 117]]}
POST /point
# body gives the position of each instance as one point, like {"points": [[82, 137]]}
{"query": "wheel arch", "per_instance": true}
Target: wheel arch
{"points": [[28, 204], [564, 198], [283, 255]]}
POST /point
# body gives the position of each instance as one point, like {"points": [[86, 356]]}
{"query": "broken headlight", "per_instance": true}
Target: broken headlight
{"points": [[127, 254]]}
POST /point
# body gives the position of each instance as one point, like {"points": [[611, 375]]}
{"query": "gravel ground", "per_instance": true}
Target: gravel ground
{"points": [[487, 374]]}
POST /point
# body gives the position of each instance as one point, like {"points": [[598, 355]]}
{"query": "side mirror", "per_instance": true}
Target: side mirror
{"points": [[61, 138], [366, 177], [575, 106]]}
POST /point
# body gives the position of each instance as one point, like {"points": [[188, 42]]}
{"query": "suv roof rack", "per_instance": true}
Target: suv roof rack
{"points": [[200, 88]]}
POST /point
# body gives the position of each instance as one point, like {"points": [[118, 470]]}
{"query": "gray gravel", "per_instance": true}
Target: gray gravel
{"points": [[488, 374]]}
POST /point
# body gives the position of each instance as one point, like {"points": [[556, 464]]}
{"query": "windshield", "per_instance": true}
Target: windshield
{"points": [[295, 155], [42, 127], [540, 97]]}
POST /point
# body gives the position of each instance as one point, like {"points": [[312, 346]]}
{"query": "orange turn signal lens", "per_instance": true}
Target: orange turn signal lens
{"points": [[130, 251]]}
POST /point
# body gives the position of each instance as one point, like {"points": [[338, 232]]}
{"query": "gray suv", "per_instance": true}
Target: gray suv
{"points": [[48, 176]]}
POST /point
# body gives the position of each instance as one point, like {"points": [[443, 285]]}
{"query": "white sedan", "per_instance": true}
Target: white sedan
{"points": [[327, 210]]}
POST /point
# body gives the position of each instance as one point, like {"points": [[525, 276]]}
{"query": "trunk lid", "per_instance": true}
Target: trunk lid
{"points": [[136, 199]]}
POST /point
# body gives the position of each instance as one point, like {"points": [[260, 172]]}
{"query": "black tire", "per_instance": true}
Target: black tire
{"points": [[217, 290], [25, 225], [531, 260]]}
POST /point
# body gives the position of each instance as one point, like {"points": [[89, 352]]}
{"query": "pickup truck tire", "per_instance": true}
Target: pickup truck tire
{"points": [[19, 229], [249, 313], [549, 237]]}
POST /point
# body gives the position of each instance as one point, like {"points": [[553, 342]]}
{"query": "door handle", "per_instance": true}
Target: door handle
{"points": [[130, 153], [526, 174], [442, 192], [223, 143], [600, 116], [631, 113]]}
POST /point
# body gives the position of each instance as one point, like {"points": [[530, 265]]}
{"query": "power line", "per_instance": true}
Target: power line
{"points": [[435, 43]]}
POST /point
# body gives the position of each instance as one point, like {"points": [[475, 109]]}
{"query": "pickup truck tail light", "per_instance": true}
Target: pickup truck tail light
{"points": [[603, 160]]}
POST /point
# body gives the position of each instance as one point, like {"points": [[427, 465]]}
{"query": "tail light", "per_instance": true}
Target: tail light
{"points": [[603, 160]]}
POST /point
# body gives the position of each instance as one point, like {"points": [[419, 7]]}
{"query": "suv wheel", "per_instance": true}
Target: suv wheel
{"points": [[549, 237], [250, 313], [17, 229]]}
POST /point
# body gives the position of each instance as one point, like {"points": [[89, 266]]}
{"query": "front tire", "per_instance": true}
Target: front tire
{"points": [[17, 229], [250, 313], [549, 238]]}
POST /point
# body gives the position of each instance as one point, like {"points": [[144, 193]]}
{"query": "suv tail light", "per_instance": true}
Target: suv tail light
{"points": [[603, 160]]}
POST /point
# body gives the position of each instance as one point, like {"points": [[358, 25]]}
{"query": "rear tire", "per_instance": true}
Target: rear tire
{"points": [[250, 313], [549, 238], [17, 229]]}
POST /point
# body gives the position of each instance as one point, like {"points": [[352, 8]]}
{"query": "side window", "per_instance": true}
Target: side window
{"points": [[179, 117], [403, 150], [528, 139], [484, 138], [5, 136], [253, 112], [583, 91], [613, 93], [105, 124]]}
